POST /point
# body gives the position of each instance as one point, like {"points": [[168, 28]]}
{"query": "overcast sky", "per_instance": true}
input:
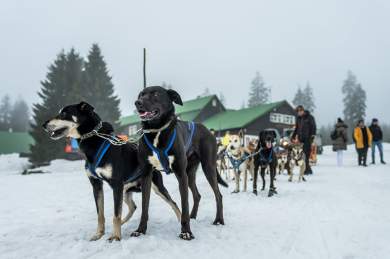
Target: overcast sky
{"points": [[214, 44]]}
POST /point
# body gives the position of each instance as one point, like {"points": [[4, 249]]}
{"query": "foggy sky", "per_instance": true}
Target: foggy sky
{"points": [[214, 44]]}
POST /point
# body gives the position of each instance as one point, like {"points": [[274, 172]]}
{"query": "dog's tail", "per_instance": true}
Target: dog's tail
{"points": [[220, 180]]}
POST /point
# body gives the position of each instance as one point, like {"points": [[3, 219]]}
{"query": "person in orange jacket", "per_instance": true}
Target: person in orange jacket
{"points": [[363, 139]]}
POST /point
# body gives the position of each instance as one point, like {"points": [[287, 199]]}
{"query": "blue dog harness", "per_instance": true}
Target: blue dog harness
{"points": [[98, 158], [265, 160], [162, 154]]}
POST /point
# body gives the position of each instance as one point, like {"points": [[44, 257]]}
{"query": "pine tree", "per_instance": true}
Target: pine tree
{"points": [[20, 116], [259, 93], [308, 98], [305, 98], [299, 97], [5, 113], [60, 88], [354, 100], [98, 89]]}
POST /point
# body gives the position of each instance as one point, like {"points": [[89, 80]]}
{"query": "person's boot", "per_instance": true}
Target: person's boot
{"points": [[373, 162], [383, 162]]}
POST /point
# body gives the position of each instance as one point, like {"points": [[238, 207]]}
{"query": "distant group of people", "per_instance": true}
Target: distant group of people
{"points": [[364, 137]]}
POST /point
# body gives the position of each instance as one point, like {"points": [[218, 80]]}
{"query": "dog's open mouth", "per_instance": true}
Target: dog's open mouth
{"points": [[58, 133], [146, 115]]}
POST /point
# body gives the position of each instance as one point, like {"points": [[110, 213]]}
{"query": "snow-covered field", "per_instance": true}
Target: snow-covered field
{"points": [[337, 213]]}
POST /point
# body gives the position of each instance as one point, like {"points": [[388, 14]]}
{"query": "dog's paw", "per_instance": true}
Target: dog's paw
{"points": [[270, 193], [96, 237], [219, 222], [255, 192], [114, 238], [186, 236], [290, 180], [137, 233], [303, 179], [262, 189], [235, 191]]}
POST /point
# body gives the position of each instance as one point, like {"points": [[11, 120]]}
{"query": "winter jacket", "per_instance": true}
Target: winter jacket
{"points": [[305, 127], [341, 140], [376, 132], [359, 136]]}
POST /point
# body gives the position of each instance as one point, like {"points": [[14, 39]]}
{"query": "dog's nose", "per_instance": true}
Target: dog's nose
{"points": [[138, 103]]}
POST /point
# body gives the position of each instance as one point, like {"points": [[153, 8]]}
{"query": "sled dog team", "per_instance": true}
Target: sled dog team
{"points": [[260, 154], [167, 146]]}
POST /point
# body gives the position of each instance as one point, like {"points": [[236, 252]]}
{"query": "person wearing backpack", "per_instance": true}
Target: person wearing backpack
{"points": [[339, 140]]}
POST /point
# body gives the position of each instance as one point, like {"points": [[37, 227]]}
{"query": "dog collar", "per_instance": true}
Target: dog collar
{"points": [[93, 132], [157, 130]]}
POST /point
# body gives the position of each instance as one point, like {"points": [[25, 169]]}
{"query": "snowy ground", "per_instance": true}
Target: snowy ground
{"points": [[338, 213]]}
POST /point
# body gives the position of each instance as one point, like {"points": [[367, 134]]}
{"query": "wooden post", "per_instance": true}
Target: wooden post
{"points": [[144, 68]]}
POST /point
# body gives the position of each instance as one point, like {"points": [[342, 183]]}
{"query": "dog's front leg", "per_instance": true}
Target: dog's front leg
{"points": [[262, 173], [117, 188], [146, 186], [255, 174], [237, 180], [182, 178], [272, 189], [245, 179], [98, 194]]}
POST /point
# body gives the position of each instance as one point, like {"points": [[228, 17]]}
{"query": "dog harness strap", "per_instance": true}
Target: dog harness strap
{"points": [[162, 155], [191, 128], [98, 158]]}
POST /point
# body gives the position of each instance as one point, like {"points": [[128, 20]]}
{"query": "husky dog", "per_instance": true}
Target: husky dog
{"points": [[238, 154], [116, 165], [297, 159], [282, 156]]}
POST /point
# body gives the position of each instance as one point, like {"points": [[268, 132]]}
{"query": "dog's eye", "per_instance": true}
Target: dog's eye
{"points": [[62, 114]]}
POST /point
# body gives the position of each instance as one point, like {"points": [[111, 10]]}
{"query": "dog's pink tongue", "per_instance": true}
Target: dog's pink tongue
{"points": [[143, 114], [269, 145]]}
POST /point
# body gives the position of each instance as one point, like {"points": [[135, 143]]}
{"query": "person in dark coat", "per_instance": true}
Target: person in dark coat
{"points": [[305, 131], [339, 138], [363, 139], [377, 138]]}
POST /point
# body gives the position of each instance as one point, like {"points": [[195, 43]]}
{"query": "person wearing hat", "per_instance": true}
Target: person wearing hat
{"points": [[339, 138], [377, 137], [305, 131], [363, 139]]}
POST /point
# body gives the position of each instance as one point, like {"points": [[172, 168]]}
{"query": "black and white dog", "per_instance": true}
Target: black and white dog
{"points": [[266, 158], [172, 145], [115, 164]]}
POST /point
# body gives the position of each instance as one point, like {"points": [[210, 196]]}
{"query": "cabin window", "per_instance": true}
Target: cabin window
{"points": [[282, 118]]}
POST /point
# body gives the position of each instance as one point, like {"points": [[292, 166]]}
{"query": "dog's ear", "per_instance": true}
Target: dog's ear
{"points": [[274, 135], [174, 96], [241, 134], [85, 107]]}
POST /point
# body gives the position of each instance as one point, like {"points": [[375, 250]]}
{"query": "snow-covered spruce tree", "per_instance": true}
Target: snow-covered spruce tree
{"points": [[20, 116], [5, 113], [98, 89], [308, 98], [354, 100], [60, 88], [259, 93]]}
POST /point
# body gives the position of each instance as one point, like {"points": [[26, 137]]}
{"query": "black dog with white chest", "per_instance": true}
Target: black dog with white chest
{"points": [[107, 159], [176, 146], [266, 158]]}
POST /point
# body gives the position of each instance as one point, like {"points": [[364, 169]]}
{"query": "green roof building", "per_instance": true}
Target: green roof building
{"points": [[15, 142]]}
